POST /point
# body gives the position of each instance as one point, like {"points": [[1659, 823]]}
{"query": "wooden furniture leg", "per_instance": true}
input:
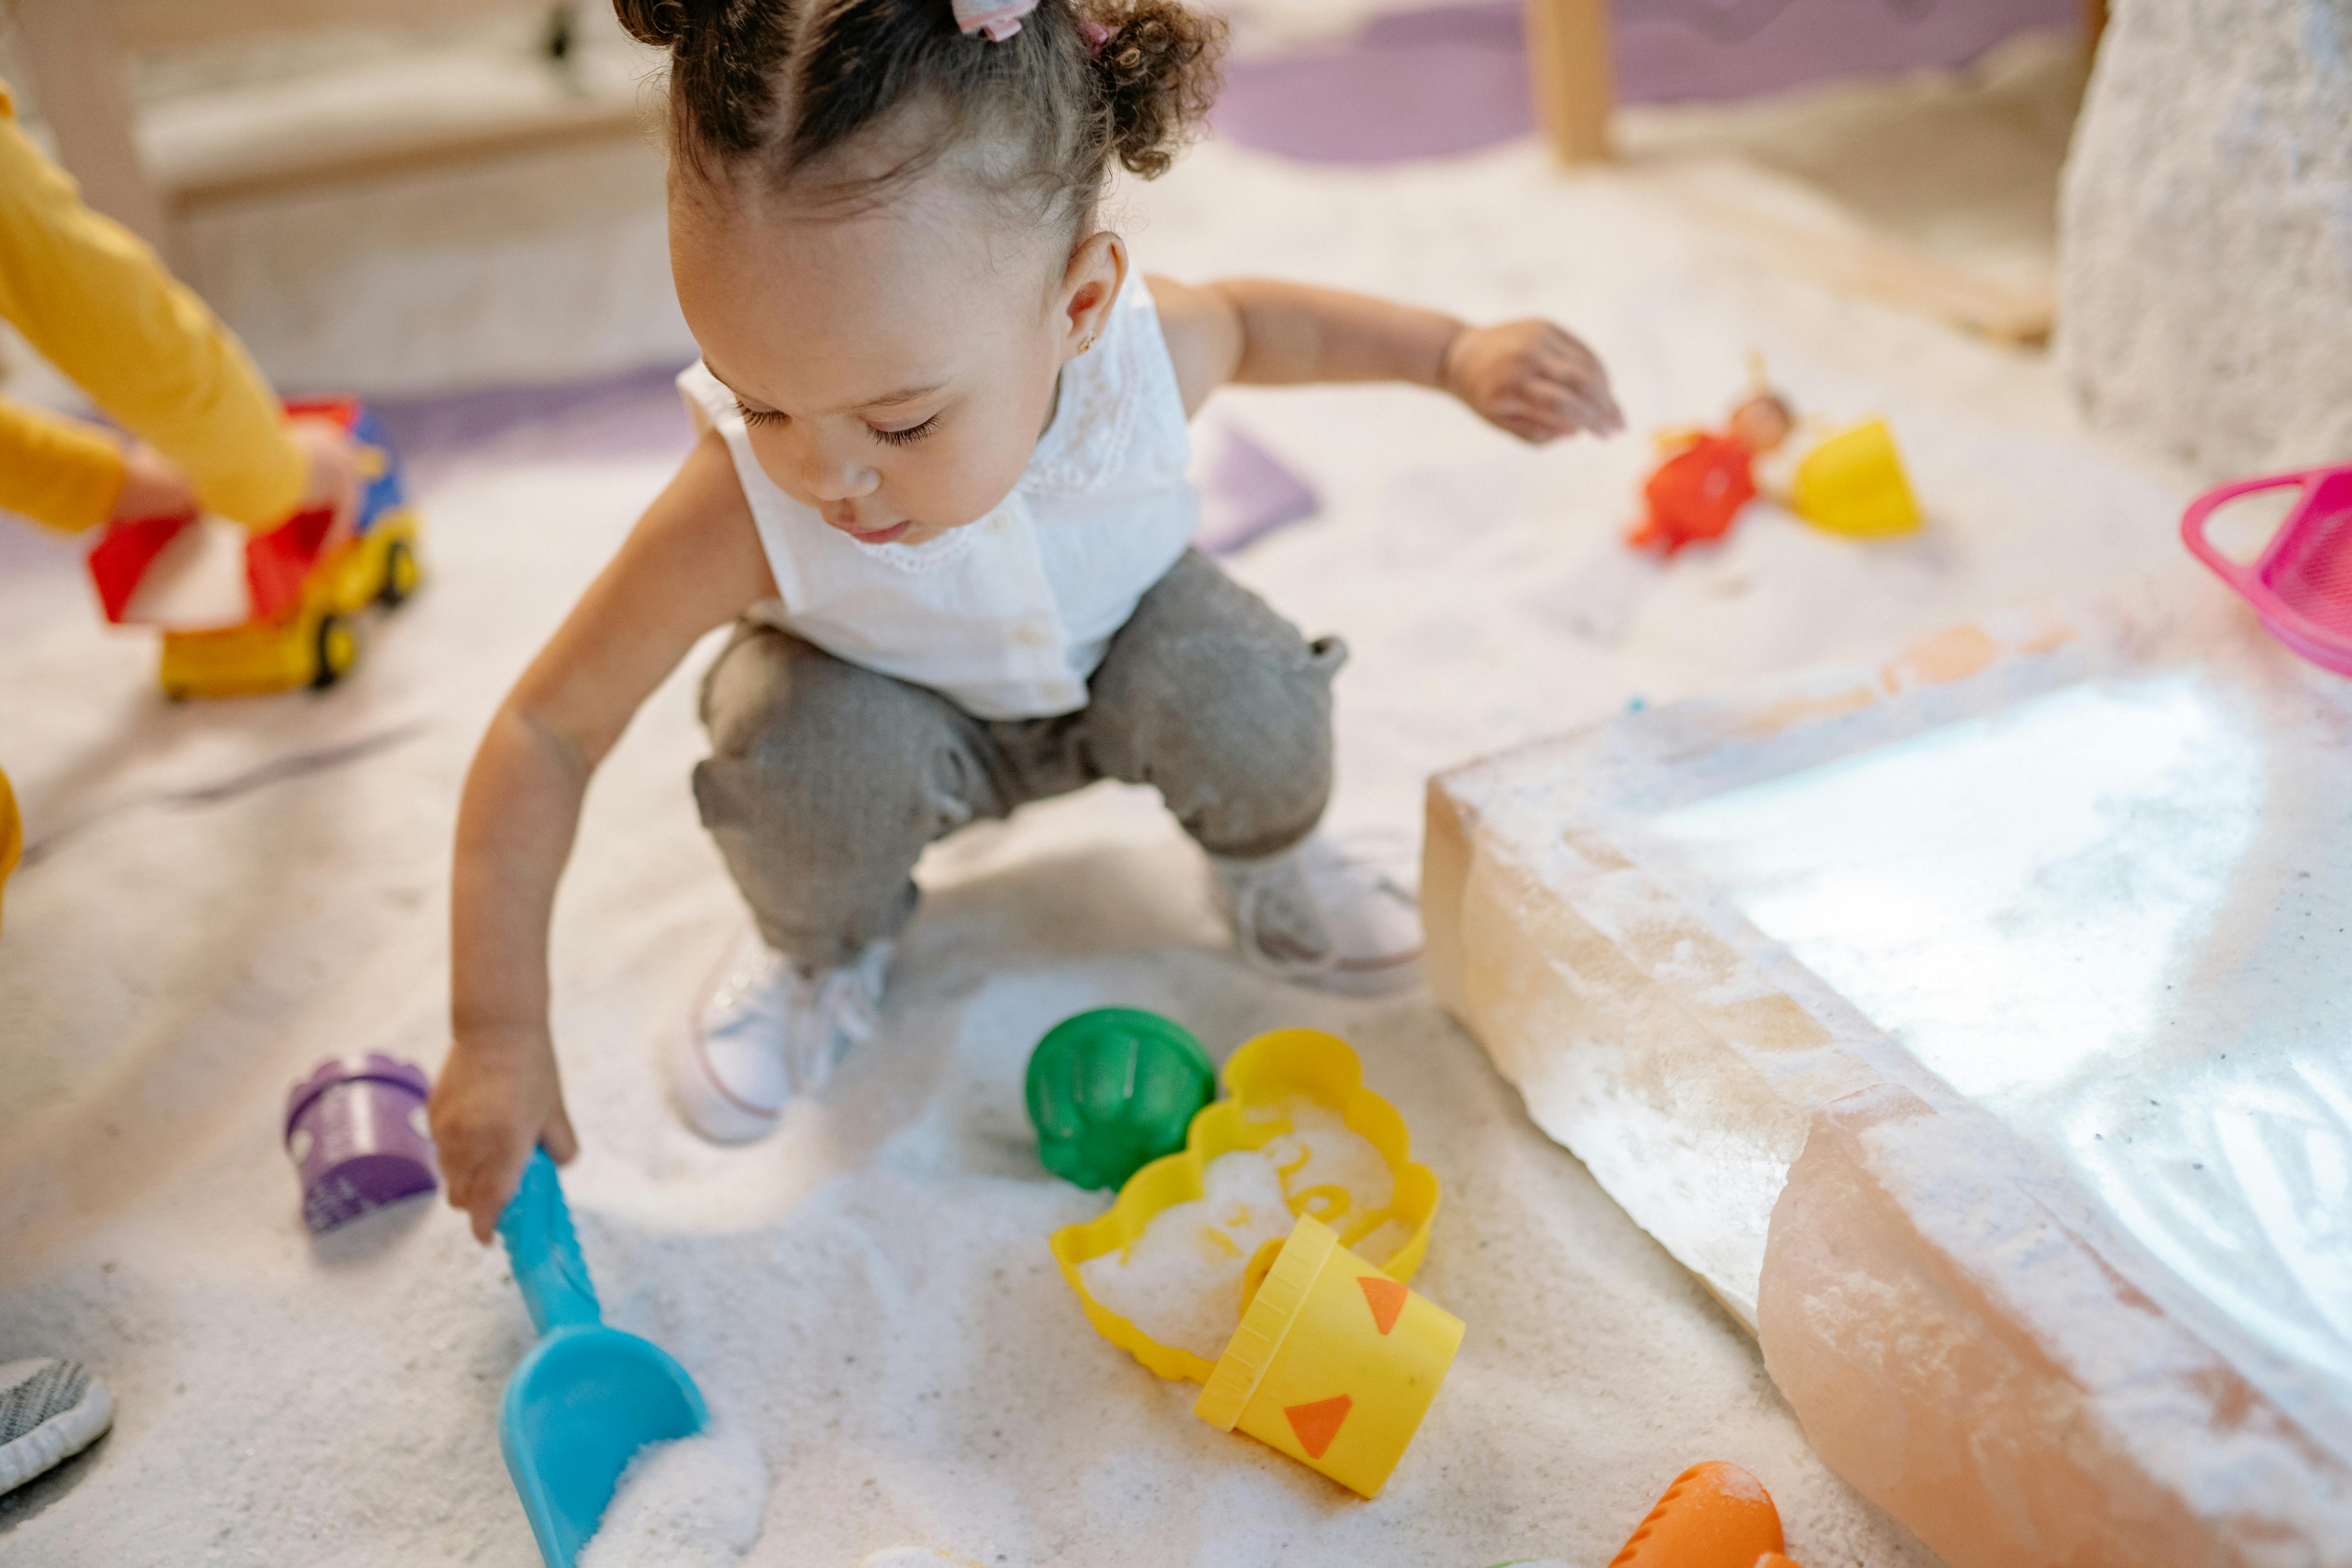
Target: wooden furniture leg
{"points": [[1568, 50], [75, 64]]}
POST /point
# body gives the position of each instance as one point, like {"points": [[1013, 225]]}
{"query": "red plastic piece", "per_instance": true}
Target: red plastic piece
{"points": [[122, 555], [1696, 493], [276, 562], [344, 411]]}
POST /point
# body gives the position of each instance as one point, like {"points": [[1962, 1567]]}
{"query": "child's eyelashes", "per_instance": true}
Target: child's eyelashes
{"points": [[908, 437], [753, 418]]}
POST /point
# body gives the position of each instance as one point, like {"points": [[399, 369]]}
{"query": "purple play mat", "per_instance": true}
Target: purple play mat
{"points": [[1426, 83]]}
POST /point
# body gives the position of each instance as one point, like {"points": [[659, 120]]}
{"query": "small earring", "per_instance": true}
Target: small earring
{"points": [[1088, 346]]}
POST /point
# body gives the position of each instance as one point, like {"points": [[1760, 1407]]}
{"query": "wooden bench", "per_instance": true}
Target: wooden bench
{"points": [[74, 54], [1569, 57], [1575, 88]]}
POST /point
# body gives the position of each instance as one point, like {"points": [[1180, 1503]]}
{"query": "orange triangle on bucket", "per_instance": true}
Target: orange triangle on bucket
{"points": [[1319, 1423], [1386, 1298]]}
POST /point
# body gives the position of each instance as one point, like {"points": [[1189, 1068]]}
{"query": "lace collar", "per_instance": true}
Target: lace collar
{"points": [[933, 553], [1094, 417]]}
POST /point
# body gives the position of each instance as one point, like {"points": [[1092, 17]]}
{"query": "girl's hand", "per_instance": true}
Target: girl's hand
{"points": [[152, 488], [496, 1097], [1531, 378]]}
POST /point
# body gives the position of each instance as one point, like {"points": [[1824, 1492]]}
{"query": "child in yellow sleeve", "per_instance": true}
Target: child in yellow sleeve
{"points": [[98, 304]]}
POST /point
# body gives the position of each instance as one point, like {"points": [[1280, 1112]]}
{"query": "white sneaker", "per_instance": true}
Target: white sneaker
{"points": [[49, 1411], [765, 1029], [1318, 916]]}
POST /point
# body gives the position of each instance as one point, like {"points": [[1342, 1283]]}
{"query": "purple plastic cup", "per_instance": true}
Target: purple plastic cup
{"points": [[355, 1129]]}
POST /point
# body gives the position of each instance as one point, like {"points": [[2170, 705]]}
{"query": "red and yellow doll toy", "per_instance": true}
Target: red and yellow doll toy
{"points": [[1707, 476]]}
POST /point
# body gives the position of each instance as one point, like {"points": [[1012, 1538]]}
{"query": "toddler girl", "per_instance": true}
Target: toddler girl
{"points": [[940, 492]]}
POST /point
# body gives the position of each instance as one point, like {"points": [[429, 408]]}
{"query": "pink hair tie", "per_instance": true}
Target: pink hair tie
{"points": [[1093, 33], [997, 19]]}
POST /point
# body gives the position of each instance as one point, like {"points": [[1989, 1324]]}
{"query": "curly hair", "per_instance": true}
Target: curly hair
{"points": [[776, 90]]}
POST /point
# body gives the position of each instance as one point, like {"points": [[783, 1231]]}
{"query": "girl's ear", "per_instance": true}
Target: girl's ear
{"points": [[1090, 285]]}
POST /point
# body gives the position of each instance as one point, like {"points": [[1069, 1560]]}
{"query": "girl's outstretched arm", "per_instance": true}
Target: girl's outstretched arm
{"points": [[692, 564], [1533, 378]]}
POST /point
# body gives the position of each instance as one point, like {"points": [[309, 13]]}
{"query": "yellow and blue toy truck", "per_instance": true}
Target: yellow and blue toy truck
{"points": [[303, 597]]}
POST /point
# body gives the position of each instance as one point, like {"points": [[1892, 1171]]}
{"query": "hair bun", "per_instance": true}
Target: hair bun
{"points": [[1158, 62], [661, 23]]}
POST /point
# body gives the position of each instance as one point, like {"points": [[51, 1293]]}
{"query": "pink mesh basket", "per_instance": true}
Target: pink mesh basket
{"points": [[2301, 585]]}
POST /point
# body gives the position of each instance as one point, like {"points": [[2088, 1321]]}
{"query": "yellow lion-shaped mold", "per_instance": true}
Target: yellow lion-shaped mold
{"points": [[1268, 1070]]}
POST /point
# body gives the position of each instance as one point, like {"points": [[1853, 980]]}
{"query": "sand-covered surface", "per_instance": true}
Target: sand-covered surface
{"points": [[871, 1291]]}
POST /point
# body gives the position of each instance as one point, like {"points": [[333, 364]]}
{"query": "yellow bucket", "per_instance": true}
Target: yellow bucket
{"points": [[1334, 1363], [1854, 484], [1262, 1074]]}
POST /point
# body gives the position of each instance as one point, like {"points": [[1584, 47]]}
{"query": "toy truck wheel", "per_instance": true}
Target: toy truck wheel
{"points": [[337, 649], [401, 573]]}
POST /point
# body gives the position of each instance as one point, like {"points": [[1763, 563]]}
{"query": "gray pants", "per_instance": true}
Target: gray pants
{"points": [[826, 781]]}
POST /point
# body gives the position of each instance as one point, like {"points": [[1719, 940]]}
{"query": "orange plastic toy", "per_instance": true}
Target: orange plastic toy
{"points": [[1707, 476], [1714, 1516], [1711, 1517]]}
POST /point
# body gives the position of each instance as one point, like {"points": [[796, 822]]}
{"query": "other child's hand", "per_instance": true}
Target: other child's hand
{"points": [[152, 488], [332, 474], [496, 1097], [1532, 378]]}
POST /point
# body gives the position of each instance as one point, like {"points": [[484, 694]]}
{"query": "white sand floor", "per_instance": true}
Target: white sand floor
{"points": [[871, 1291]]}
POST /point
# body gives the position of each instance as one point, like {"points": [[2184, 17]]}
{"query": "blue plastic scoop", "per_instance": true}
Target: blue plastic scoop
{"points": [[586, 1397]]}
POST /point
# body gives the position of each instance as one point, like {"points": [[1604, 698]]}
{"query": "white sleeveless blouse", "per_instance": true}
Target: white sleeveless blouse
{"points": [[1010, 615]]}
